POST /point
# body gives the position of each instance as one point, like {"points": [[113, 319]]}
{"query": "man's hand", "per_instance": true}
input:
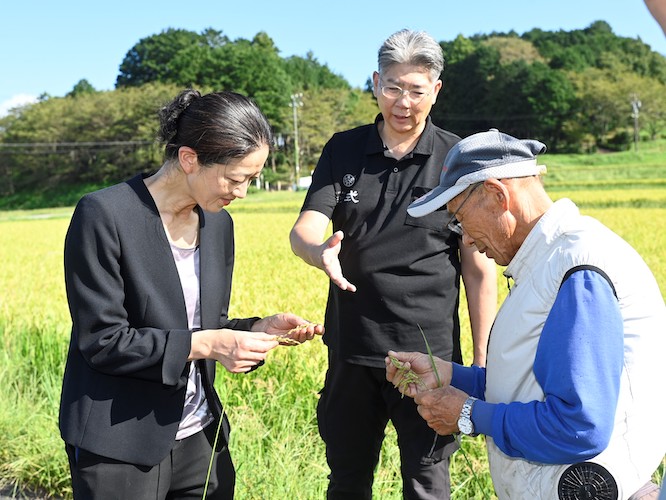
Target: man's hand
{"points": [[306, 241], [330, 250], [440, 408], [399, 365]]}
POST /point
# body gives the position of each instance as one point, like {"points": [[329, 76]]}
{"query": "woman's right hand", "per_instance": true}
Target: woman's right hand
{"points": [[238, 351]]}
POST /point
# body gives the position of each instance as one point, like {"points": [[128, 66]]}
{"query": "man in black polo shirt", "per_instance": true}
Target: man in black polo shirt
{"points": [[390, 274]]}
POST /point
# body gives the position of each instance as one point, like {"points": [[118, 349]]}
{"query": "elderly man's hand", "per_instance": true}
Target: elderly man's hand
{"points": [[399, 364], [440, 408]]}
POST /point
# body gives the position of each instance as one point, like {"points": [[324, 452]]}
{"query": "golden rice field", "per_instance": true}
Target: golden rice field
{"points": [[275, 444]]}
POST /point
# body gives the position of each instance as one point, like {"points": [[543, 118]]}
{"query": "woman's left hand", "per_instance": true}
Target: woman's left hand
{"points": [[289, 327]]}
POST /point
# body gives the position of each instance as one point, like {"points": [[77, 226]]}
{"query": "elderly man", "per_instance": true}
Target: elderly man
{"points": [[570, 397]]}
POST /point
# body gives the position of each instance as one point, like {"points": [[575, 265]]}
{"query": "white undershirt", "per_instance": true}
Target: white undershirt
{"points": [[196, 413]]}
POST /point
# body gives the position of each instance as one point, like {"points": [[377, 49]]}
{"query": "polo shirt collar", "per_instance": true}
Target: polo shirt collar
{"points": [[423, 147]]}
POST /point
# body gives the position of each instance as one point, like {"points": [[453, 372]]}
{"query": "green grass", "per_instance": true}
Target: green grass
{"points": [[645, 169], [274, 442], [51, 196]]}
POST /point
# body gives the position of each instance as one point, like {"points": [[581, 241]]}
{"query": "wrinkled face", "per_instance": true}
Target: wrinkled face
{"points": [[408, 112], [485, 224], [216, 186]]}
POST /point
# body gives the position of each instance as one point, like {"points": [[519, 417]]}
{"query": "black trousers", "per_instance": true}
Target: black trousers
{"points": [[181, 475], [355, 406]]}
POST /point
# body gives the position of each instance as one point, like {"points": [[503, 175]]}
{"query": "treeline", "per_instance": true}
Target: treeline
{"points": [[576, 91]]}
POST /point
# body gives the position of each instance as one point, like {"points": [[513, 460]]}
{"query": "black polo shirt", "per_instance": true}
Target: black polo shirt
{"points": [[406, 269]]}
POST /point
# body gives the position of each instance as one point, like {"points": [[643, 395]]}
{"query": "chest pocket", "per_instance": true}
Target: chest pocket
{"points": [[435, 221]]}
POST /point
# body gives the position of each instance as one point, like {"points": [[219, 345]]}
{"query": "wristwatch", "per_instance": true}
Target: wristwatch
{"points": [[465, 423]]}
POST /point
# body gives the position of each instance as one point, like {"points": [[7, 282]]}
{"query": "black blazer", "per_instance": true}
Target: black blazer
{"points": [[126, 374]]}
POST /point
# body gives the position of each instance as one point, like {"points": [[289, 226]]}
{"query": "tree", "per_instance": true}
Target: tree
{"points": [[513, 48], [652, 95], [150, 60], [462, 105], [562, 86], [457, 50], [253, 68], [653, 108], [307, 73], [82, 87], [573, 90], [532, 100], [91, 138], [599, 95], [325, 112]]}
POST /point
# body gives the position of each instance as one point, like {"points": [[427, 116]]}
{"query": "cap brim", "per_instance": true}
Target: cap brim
{"points": [[434, 199]]}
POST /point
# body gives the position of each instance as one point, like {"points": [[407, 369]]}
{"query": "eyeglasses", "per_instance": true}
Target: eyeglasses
{"points": [[453, 225], [395, 92]]}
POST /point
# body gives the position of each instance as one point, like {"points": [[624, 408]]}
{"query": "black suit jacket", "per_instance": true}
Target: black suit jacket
{"points": [[126, 374]]}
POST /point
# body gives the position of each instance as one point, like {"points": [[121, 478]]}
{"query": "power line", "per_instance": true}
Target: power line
{"points": [[69, 148], [73, 145]]}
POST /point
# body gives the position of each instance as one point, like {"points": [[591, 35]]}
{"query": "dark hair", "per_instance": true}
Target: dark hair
{"points": [[219, 126]]}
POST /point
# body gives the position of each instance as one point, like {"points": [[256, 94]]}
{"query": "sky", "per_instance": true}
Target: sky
{"points": [[47, 47]]}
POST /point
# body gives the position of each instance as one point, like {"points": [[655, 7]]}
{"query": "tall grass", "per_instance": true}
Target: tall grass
{"points": [[274, 441], [33, 332]]}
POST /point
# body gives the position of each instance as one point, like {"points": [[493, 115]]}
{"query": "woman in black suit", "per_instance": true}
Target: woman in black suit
{"points": [[148, 268]]}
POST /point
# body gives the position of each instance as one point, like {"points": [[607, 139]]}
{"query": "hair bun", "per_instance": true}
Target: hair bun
{"points": [[170, 113]]}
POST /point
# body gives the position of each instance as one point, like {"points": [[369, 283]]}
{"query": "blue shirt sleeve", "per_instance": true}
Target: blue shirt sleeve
{"points": [[578, 364], [471, 379]]}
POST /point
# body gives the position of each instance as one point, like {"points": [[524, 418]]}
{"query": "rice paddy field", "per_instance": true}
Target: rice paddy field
{"points": [[274, 442]]}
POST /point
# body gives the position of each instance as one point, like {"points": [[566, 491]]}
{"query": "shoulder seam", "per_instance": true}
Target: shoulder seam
{"points": [[588, 267]]}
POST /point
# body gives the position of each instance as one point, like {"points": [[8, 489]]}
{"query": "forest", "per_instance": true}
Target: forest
{"points": [[580, 91]]}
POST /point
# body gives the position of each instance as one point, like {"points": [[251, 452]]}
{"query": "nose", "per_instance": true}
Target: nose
{"points": [[241, 190], [404, 99]]}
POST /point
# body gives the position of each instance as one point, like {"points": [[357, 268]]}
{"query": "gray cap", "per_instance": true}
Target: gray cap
{"points": [[486, 155]]}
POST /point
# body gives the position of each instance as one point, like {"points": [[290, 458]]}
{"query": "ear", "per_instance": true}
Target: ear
{"points": [[499, 194], [435, 92], [375, 83], [187, 158]]}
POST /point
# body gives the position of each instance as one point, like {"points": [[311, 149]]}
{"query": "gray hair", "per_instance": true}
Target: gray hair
{"points": [[417, 48]]}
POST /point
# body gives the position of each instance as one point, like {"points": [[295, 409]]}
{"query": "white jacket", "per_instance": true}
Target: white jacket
{"points": [[561, 240]]}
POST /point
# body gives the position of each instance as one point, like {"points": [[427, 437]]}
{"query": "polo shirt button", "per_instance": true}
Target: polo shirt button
{"points": [[395, 169]]}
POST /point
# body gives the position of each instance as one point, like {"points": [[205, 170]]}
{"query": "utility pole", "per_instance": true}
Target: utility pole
{"points": [[296, 102], [635, 106]]}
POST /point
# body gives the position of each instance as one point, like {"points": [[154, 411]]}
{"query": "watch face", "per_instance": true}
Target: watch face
{"points": [[465, 425]]}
